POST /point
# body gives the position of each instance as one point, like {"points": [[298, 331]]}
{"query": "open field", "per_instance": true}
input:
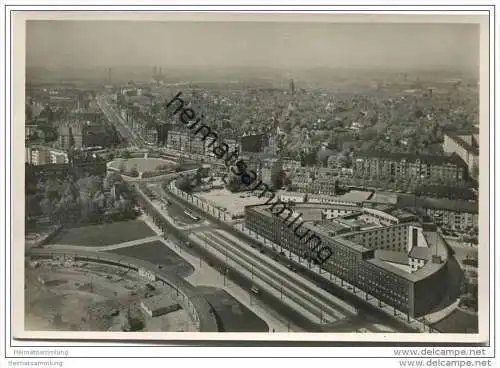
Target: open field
{"points": [[92, 297], [232, 201], [158, 253], [103, 234], [141, 164]]}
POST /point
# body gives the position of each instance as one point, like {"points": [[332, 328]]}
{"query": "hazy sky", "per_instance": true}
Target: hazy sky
{"points": [[240, 44]]}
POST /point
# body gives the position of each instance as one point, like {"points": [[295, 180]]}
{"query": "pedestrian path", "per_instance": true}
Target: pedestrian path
{"points": [[106, 247]]}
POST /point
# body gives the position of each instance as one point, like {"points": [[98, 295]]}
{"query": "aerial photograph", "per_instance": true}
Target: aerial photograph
{"points": [[251, 176]]}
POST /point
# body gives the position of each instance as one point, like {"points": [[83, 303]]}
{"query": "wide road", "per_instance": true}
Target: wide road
{"points": [[173, 209], [328, 287], [306, 298], [120, 124], [303, 296]]}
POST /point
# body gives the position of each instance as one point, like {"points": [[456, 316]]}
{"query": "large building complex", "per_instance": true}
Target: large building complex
{"points": [[40, 155], [382, 251], [80, 134], [383, 165]]}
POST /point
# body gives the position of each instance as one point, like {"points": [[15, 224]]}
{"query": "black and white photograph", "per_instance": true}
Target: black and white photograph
{"points": [[267, 174]]}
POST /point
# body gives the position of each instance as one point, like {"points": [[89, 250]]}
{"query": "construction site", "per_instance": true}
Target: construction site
{"points": [[61, 295]]}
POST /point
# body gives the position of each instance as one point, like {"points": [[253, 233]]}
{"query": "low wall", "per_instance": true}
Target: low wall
{"points": [[201, 203]]}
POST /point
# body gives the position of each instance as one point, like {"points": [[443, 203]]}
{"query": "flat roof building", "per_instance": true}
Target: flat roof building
{"points": [[355, 255], [159, 305]]}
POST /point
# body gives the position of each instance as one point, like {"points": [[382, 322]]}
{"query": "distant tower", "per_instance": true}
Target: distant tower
{"points": [[110, 76], [430, 92], [292, 86], [159, 72], [154, 72]]}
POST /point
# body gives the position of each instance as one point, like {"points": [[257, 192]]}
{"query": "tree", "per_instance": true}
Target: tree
{"points": [[32, 206], [52, 190], [134, 172], [47, 113], [234, 184], [88, 209], [89, 186], [46, 207], [163, 167], [185, 183], [475, 171]]}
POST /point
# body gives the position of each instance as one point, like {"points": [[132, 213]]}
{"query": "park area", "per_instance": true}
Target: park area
{"points": [[158, 253], [233, 202], [103, 234]]}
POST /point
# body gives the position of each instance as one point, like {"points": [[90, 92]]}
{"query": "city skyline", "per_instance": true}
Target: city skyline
{"points": [[288, 46], [240, 176]]}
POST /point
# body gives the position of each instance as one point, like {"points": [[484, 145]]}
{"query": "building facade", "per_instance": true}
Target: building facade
{"points": [[40, 156], [465, 145], [384, 166], [353, 257]]}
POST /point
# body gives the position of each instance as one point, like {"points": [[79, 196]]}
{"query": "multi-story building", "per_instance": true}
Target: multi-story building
{"points": [[30, 129], [362, 256], [178, 140], [452, 214], [151, 135], [184, 141], [28, 152], [466, 145], [289, 164], [325, 181], [40, 156], [386, 215], [58, 157], [302, 178], [286, 196], [384, 165], [82, 134], [332, 162], [233, 145], [197, 146], [254, 163], [68, 134], [270, 166]]}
